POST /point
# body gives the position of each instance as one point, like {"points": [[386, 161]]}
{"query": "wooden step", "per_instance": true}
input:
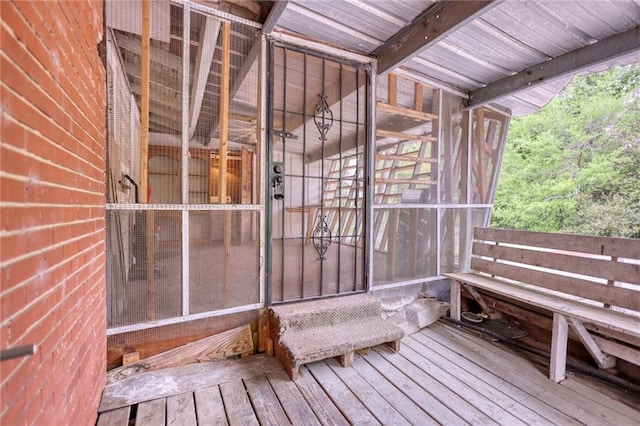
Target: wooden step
{"points": [[312, 331]]}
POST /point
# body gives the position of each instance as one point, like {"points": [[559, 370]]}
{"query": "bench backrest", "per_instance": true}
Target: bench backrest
{"points": [[601, 269]]}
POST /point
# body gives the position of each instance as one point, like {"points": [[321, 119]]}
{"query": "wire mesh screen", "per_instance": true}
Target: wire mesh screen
{"points": [[183, 149]]}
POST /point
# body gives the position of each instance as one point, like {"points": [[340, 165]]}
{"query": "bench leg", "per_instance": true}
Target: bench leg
{"points": [[558, 362], [454, 296]]}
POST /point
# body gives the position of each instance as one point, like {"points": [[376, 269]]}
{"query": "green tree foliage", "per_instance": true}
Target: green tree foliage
{"points": [[574, 166]]}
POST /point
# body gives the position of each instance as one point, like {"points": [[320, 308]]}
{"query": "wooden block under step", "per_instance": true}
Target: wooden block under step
{"points": [[130, 358], [346, 360], [395, 345]]}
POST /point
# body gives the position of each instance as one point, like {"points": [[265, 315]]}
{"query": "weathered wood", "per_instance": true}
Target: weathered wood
{"points": [[292, 401], [578, 264], [320, 403], [405, 112], [604, 246], [392, 81], [524, 402], [263, 329], [223, 153], [513, 368], [144, 99], [117, 417], [175, 380], [616, 296], [405, 181], [151, 413], [603, 360], [407, 158], [383, 411], [345, 400], [454, 308], [404, 136], [478, 298], [394, 345], [223, 345], [617, 321], [265, 402], [346, 360], [414, 413], [209, 406], [236, 402], [444, 405], [618, 350], [485, 398], [181, 410], [558, 361], [130, 358], [418, 97]]}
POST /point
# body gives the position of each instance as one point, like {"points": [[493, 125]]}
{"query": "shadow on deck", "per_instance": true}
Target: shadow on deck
{"points": [[441, 375]]}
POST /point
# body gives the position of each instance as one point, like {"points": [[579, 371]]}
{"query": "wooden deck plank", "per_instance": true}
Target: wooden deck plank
{"points": [[209, 406], [525, 375], [237, 405], [409, 409], [375, 403], [117, 417], [151, 413], [493, 387], [187, 378], [435, 407], [265, 403], [318, 400], [291, 399], [475, 373], [181, 410], [345, 400], [600, 398]]}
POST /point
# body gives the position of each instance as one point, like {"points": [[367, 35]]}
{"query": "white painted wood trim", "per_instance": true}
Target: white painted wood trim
{"points": [[558, 361], [603, 360]]}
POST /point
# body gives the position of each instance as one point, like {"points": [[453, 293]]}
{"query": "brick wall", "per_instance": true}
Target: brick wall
{"points": [[52, 226]]}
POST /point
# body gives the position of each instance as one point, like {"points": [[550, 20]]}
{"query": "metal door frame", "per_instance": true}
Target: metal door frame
{"points": [[357, 61]]}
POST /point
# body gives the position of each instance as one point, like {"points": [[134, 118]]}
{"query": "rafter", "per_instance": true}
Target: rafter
{"points": [[208, 39], [435, 23], [570, 63]]}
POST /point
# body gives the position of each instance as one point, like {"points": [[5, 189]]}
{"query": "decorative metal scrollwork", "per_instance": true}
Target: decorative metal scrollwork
{"points": [[323, 117], [321, 236]]}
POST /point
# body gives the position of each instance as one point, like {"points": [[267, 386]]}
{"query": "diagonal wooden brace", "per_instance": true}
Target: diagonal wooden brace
{"points": [[604, 360]]}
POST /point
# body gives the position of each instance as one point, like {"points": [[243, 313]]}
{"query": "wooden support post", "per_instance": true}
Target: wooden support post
{"points": [[558, 361], [144, 154], [263, 329], [393, 89], [603, 360], [223, 151], [418, 96], [611, 283], [346, 360], [394, 345], [454, 300]]}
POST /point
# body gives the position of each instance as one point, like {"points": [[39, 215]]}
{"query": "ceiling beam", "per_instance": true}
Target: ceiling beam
{"points": [[208, 39], [572, 62], [438, 21], [274, 15]]}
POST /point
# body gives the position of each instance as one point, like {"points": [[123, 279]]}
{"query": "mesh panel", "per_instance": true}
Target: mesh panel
{"points": [[179, 256], [456, 234]]}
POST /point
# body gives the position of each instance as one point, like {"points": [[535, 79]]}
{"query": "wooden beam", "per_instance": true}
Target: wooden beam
{"points": [[406, 112], [393, 89], [618, 350], [208, 40], [570, 63], [274, 15], [223, 152], [435, 23], [418, 97], [379, 181], [405, 136], [144, 101], [381, 157]]}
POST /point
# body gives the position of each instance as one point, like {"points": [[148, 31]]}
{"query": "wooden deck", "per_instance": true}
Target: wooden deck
{"points": [[441, 375]]}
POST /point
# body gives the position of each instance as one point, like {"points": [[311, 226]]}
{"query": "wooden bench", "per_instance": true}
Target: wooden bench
{"points": [[587, 282]]}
